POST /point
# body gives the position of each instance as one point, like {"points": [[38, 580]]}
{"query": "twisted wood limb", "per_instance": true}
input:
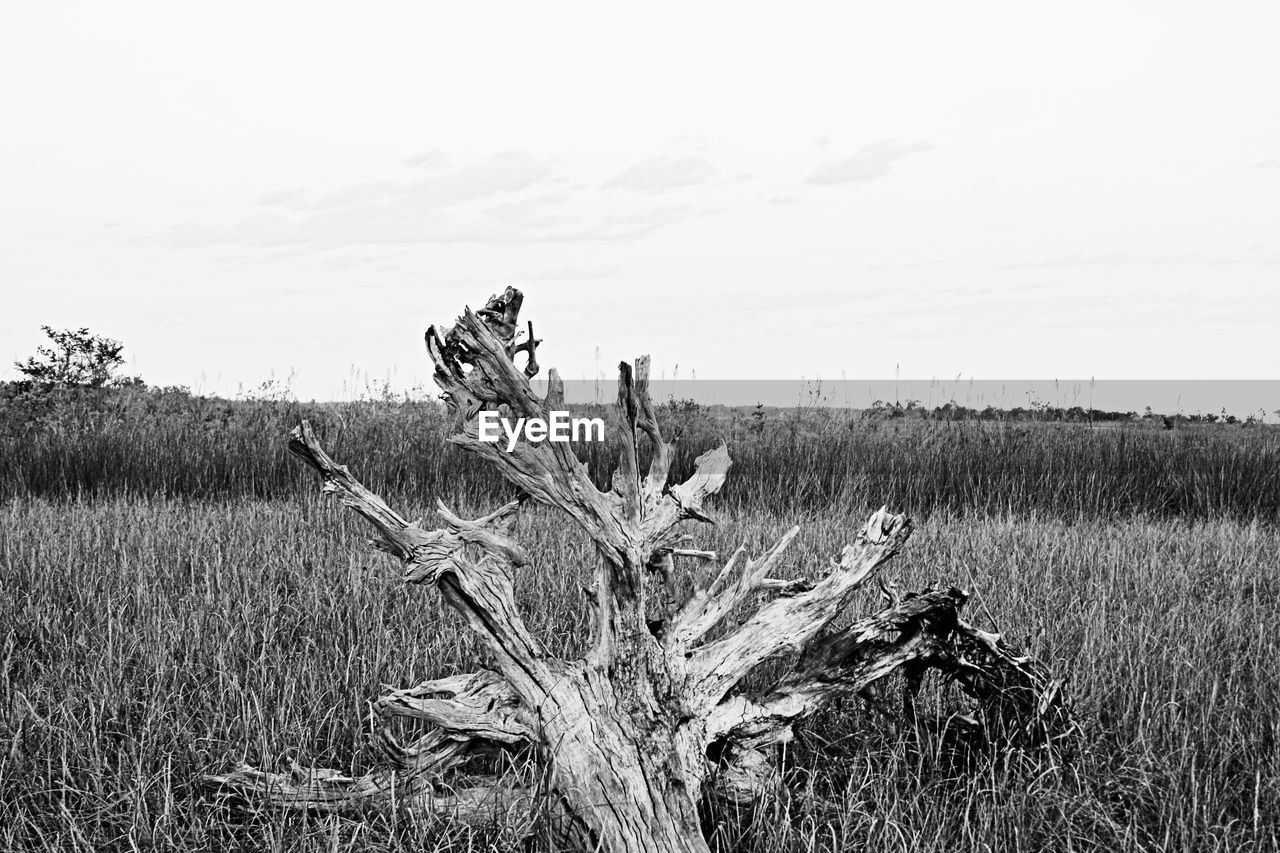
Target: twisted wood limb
{"points": [[790, 623], [471, 713]]}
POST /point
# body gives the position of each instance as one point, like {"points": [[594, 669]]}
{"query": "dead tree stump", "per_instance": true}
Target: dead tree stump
{"points": [[656, 716]]}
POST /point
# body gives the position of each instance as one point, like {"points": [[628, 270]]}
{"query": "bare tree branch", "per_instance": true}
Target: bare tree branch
{"points": [[479, 589], [479, 713], [789, 623], [481, 706]]}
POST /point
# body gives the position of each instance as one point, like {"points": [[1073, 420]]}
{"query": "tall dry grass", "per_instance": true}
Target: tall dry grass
{"points": [[176, 598], [148, 641], [131, 442]]}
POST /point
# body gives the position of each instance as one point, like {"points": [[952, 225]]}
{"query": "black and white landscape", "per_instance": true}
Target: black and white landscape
{"points": [[800, 429]]}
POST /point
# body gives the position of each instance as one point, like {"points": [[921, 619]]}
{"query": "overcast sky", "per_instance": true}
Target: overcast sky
{"points": [[992, 190]]}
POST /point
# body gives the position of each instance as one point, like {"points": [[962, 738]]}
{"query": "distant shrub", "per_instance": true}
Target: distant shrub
{"points": [[75, 358]]}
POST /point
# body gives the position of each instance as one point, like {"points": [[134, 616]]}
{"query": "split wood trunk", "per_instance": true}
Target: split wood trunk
{"points": [[632, 738]]}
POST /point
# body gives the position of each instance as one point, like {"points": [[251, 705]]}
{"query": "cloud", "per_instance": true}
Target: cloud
{"points": [[873, 161], [342, 263], [1103, 259], [344, 229], [569, 274], [1265, 164], [519, 208], [1256, 255], [508, 198], [657, 174], [434, 158], [289, 196], [501, 173]]}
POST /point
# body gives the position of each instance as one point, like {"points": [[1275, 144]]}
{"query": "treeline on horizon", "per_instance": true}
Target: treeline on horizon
{"points": [[953, 411], [86, 443]]}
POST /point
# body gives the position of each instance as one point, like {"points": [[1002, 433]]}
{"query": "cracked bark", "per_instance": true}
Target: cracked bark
{"points": [[656, 716]]}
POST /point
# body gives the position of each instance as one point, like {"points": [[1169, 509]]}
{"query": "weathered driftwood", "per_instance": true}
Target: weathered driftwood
{"points": [[656, 716]]}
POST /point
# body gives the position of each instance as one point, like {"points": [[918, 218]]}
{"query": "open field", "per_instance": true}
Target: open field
{"points": [[150, 635], [144, 443]]}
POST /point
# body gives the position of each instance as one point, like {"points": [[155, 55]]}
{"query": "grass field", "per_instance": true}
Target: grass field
{"points": [[150, 635]]}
